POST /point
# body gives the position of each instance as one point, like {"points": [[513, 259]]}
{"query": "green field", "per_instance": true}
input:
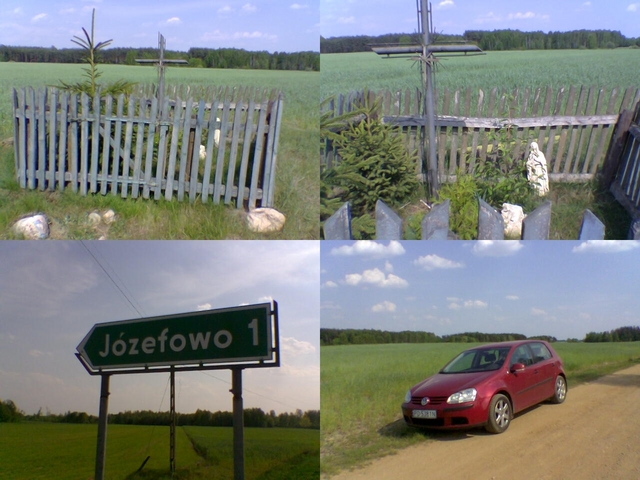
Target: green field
{"points": [[56, 451], [362, 388], [297, 180], [342, 73]]}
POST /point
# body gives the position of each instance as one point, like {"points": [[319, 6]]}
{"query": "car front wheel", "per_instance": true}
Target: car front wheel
{"points": [[560, 390], [499, 414]]}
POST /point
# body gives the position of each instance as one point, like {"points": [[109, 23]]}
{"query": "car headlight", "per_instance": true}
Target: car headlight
{"points": [[407, 397], [468, 395]]}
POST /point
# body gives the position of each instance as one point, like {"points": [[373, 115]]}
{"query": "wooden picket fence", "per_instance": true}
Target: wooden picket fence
{"points": [[572, 126], [626, 183], [145, 145]]}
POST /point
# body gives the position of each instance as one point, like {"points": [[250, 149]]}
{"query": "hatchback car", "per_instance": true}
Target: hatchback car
{"points": [[486, 386]]}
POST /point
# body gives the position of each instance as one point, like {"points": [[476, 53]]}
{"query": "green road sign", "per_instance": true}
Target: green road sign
{"points": [[235, 335]]}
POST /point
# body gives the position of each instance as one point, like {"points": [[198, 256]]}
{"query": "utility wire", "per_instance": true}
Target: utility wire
{"points": [[112, 280]]}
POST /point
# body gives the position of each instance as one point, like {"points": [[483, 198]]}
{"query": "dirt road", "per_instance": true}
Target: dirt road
{"points": [[594, 434]]}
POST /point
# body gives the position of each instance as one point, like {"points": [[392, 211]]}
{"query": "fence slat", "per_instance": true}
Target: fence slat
{"points": [[41, 157], [270, 158], [128, 137], [220, 160], [237, 120], [173, 150], [195, 163], [84, 144], [246, 150], [115, 170], [62, 143], [106, 144], [53, 116], [162, 149], [151, 138], [184, 152], [95, 141], [137, 161], [253, 191], [212, 128]]}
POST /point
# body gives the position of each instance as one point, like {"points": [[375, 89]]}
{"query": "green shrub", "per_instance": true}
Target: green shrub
{"points": [[463, 195]]}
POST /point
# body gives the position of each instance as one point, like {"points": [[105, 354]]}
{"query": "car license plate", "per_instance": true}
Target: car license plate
{"points": [[424, 414]]}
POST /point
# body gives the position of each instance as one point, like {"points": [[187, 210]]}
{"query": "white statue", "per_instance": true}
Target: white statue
{"points": [[537, 170]]}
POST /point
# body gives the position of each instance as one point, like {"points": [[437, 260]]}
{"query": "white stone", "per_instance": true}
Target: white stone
{"points": [[537, 169], [109, 217], [34, 227], [95, 218], [513, 216], [265, 220], [203, 152]]}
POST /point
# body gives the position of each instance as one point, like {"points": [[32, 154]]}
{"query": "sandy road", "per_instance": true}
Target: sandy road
{"points": [[594, 434]]}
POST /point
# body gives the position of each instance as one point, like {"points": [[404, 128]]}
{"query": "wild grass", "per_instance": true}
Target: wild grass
{"points": [[362, 388], [63, 451], [297, 176]]}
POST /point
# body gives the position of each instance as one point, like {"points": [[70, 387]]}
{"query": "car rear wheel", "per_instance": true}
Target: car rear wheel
{"points": [[499, 414], [560, 390]]}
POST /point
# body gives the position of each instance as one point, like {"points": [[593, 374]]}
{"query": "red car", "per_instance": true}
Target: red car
{"points": [[486, 386]]}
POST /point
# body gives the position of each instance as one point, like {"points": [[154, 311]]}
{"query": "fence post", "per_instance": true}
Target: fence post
{"points": [[490, 222], [388, 223], [592, 228], [338, 226], [536, 225], [435, 224], [634, 230]]}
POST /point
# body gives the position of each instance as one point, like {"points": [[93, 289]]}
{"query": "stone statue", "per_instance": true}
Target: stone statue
{"points": [[537, 170]]}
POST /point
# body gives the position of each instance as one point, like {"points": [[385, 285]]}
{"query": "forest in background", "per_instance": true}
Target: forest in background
{"points": [[196, 57], [495, 40]]}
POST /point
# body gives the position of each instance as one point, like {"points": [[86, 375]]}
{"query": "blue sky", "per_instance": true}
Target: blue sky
{"points": [[564, 289], [375, 17], [52, 293], [272, 25]]}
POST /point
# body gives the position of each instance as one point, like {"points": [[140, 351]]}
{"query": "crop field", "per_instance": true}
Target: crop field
{"points": [[297, 177], [362, 388], [63, 451], [342, 73]]}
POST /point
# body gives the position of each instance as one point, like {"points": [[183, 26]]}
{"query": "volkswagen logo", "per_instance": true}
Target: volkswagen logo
{"points": [[424, 401]]}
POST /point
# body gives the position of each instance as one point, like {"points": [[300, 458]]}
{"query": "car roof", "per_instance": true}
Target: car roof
{"points": [[512, 343]]}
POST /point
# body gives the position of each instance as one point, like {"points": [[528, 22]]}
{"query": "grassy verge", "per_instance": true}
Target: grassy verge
{"points": [[362, 388], [297, 178]]}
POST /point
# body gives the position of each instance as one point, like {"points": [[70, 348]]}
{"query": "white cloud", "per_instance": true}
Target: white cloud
{"points": [[37, 18], [36, 353], [174, 21], [512, 297], [377, 278], [388, 267], [347, 20], [295, 348], [205, 306], [433, 262], [225, 9], [446, 4], [475, 304], [634, 7], [454, 306], [370, 249], [586, 4], [67, 10], [521, 16], [538, 312], [330, 284], [492, 248], [297, 6], [453, 299], [384, 307], [248, 8], [256, 34], [605, 246]]}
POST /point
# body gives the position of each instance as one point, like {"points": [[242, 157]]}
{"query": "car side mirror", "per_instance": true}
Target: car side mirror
{"points": [[517, 367]]}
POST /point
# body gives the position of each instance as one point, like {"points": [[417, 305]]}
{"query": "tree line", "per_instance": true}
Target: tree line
{"points": [[491, 40], [253, 417], [196, 57], [335, 336], [623, 334]]}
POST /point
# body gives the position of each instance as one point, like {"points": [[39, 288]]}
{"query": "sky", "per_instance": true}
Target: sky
{"points": [[52, 293], [256, 25], [376, 17], [564, 289]]}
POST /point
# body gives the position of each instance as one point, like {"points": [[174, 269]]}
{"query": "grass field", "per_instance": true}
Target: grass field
{"points": [[362, 387], [62, 451], [341, 73], [297, 180]]}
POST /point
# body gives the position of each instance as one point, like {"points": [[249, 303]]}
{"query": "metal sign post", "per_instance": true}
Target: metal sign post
{"points": [[427, 50], [229, 338]]}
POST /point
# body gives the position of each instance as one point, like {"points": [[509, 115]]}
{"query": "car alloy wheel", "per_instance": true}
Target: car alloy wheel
{"points": [[499, 414], [560, 392]]}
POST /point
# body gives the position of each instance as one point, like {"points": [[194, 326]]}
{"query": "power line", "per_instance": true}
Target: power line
{"points": [[112, 280]]}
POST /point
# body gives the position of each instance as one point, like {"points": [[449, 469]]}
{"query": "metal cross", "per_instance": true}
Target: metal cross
{"points": [[426, 50]]}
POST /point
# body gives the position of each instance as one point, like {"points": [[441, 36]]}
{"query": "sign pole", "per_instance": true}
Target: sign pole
{"points": [[432, 165], [238, 424], [101, 450], [172, 424]]}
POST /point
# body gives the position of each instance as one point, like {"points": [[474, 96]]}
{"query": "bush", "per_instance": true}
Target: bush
{"points": [[463, 195]]}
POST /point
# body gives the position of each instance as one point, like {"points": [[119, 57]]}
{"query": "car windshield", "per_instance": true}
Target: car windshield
{"points": [[477, 360]]}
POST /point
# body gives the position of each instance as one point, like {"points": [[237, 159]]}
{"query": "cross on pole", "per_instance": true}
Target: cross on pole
{"points": [[161, 62], [427, 50]]}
